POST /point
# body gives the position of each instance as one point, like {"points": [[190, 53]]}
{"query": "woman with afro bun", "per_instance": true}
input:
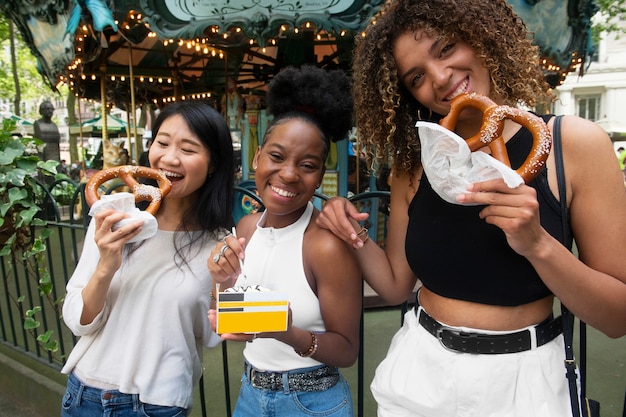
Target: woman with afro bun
{"points": [[481, 340], [296, 372]]}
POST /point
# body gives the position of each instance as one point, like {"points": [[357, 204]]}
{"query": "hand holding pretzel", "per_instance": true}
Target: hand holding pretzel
{"points": [[128, 174], [490, 133]]}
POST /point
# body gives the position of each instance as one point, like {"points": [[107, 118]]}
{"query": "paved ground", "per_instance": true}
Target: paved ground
{"points": [[10, 408]]}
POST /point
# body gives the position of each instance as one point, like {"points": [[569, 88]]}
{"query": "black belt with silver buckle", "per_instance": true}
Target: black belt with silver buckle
{"points": [[483, 343], [319, 379]]}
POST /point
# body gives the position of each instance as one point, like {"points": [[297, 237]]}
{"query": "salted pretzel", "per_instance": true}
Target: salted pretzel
{"points": [[128, 174], [490, 133]]}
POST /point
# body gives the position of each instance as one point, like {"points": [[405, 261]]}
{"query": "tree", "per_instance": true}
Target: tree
{"points": [[16, 79], [612, 14], [30, 83]]}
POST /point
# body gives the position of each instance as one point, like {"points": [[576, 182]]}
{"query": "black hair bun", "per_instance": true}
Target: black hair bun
{"points": [[323, 95]]}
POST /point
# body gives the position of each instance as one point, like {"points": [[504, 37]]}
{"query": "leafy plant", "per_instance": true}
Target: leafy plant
{"points": [[63, 192], [19, 168], [612, 16], [23, 234]]}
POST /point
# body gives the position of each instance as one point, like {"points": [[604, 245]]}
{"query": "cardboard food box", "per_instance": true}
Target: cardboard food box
{"points": [[252, 312]]}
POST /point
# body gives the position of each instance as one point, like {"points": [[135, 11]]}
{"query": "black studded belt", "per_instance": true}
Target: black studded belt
{"points": [[483, 343], [318, 379]]}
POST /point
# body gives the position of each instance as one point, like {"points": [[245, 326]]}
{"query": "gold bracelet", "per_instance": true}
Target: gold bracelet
{"points": [[362, 232], [312, 347]]}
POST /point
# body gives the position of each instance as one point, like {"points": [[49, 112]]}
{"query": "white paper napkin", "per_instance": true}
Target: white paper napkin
{"points": [[125, 202], [450, 165]]}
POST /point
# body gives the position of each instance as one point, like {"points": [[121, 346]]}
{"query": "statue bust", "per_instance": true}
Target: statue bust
{"points": [[46, 130]]}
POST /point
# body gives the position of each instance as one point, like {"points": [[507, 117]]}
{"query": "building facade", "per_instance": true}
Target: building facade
{"points": [[600, 94]]}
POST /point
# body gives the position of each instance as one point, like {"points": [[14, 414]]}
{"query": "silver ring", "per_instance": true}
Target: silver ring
{"points": [[224, 249], [216, 258]]}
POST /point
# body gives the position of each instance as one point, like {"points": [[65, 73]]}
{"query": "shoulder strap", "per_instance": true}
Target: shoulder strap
{"points": [[560, 176], [566, 315]]}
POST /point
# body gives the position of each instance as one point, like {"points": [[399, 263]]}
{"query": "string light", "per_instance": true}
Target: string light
{"points": [[207, 46]]}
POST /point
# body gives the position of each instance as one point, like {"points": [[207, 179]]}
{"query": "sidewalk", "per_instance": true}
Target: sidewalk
{"points": [[10, 408], [28, 388]]}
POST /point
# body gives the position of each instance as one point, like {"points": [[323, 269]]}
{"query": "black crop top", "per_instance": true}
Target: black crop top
{"points": [[458, 255]]}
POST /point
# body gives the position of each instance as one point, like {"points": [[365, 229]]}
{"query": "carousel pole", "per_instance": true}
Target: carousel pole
{"points": [[106, 144], [177, 93], [83, 154], [138, 148], [103, 107]]}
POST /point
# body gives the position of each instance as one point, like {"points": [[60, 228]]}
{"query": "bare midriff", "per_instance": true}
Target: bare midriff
{"points": [[482, 316]]}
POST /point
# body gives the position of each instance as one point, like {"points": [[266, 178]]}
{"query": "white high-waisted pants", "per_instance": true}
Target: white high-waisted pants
{"points": [[421, 378]]}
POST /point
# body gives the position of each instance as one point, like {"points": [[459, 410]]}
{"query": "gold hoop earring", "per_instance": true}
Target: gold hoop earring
{"points": [[419, 114]]}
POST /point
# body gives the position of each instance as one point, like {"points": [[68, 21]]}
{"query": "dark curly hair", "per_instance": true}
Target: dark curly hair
{"points": [[315, 95], [387, 112]]}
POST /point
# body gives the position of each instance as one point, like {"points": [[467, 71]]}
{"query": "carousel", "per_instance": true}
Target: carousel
{"points": [[143, 54]]}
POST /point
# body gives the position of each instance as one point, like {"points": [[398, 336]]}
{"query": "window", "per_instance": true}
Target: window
{"points": [[588, 107], [594, 54]]}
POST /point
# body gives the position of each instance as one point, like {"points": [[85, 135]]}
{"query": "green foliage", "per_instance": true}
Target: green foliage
{"points": [[31, 82], [19, 205], [20, 199], [63, 192], [4, 27], [612, 16]]}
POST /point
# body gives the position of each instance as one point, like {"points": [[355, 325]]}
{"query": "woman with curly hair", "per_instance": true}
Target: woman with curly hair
{"points": [[295, 373], [491, 265]]}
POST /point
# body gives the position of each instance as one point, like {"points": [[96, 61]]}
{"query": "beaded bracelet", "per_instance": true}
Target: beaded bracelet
{"points": [[312, 347], [362, 232]]}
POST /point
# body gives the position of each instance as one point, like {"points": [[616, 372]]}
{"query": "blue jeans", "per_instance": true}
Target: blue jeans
{"points": [[258, 402], [81, 400]]}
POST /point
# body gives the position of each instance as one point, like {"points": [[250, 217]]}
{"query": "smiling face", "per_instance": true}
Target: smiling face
{"points": [[289, 168], [435, 70], [181, 155]]}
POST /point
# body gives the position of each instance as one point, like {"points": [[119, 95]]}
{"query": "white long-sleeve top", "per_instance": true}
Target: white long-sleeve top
{"points": [[148, 338]]}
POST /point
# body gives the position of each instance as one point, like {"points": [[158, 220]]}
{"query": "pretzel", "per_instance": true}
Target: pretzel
{"points": [[490, 133], [128, 173]]}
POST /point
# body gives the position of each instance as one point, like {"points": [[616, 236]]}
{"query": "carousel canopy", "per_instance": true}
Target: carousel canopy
{"points": [[171, 50], [182, 49], [97, 125]]}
